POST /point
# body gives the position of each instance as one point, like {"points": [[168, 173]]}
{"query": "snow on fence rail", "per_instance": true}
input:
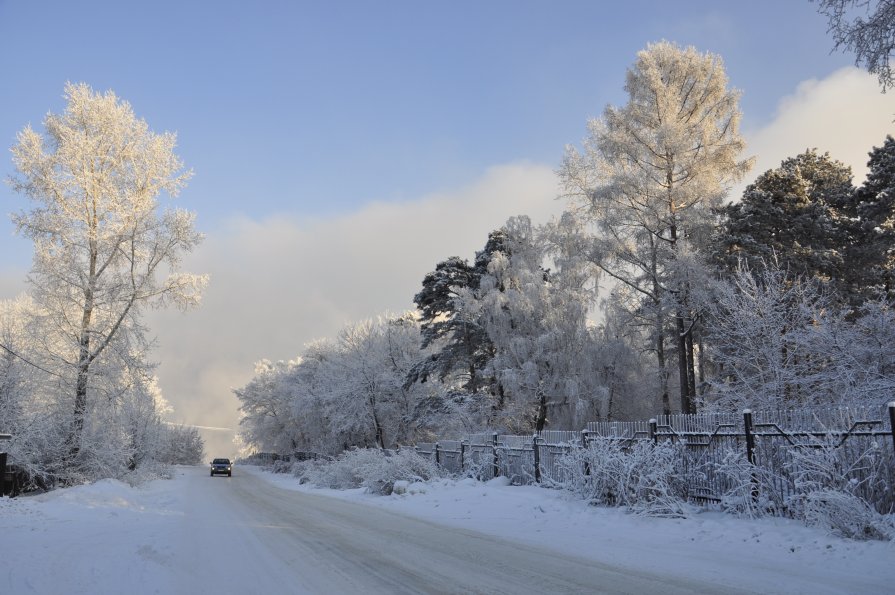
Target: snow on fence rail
{"points": [[860, 439]]}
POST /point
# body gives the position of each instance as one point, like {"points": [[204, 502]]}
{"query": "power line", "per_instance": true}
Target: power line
{"points": [[29, 362]]}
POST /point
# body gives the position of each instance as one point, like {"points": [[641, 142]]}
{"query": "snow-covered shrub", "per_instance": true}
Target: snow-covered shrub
{"points": [[845, 514], [831, 485], [281, 466], [477, 467], [379, 476], [339, 473], [377, 470], [148, 471], [827, 464], [751, 491], [642, 476]]}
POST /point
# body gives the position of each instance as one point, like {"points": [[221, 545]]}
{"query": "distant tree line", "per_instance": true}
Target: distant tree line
{"points": [[649, 294]]}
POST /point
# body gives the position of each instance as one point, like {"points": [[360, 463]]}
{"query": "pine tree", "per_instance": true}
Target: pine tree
{"points": [[872, 259], [458, 342], [800, 214]]}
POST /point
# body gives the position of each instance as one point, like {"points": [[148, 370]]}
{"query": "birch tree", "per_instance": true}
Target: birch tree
{"points": [[649, 177], [104, 250]]}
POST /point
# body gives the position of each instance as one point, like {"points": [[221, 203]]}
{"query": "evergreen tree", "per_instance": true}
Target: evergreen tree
{"points": [[458, 342], [800, 214], [872, 258]]}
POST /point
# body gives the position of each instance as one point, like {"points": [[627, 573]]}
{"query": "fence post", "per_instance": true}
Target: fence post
{"points": [[585, 442], [494, 454], [750, 451], [537, 457], [892, 420], [653, 429], [750, 439], [437, 455], [462, 448], [3, 468]]}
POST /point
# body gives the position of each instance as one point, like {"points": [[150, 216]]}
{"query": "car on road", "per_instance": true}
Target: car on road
{"points": [[221, 466]]}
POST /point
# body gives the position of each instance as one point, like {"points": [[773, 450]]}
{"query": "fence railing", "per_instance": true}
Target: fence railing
{"points": [[862, 439]]}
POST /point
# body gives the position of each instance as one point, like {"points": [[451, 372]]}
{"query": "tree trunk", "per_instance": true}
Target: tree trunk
{"points": [[74, 438], [377, 427], [686, 401], [701, 390], [663, 375], [84, 361], [542, 413], [685, 355], [691, 368], [660, 332]]}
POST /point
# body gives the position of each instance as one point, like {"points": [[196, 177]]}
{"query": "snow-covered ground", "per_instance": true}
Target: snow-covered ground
{"points": [[771, 555], [162, 538]]}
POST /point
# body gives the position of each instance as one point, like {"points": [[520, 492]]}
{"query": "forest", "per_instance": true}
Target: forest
{"points": [[655, 292]]}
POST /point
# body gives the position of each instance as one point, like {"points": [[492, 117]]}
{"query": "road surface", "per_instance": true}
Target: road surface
{"points": [[244, 535]]}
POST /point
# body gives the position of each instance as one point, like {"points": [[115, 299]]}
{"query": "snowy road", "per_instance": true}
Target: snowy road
{"points": [[243, 535], [267, 539], [262, 533]]}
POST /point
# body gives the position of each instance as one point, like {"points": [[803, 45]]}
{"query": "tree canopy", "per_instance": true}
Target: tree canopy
{"points": [[102, 249]]}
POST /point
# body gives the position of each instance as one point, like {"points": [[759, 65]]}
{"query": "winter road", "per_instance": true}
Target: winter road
{"points": [[244, 535]]}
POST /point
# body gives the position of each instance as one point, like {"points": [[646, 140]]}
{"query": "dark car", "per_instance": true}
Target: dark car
{"points": [[221, 466]]}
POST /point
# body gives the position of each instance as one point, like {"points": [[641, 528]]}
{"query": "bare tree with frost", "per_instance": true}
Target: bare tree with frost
{"points": [[867, 29], [649, 178], [103, 249]]}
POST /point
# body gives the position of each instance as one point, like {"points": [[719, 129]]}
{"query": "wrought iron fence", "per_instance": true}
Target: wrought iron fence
{"points": [[860, 441]]}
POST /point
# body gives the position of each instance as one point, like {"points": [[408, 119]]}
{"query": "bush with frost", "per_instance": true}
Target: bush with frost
{"points": [[845, 514], [750, 491], [832, 488], [374, 469], [641, 476]]}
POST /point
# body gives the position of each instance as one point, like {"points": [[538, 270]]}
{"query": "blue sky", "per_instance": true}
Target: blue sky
{"points": [[316, 107], [342, 149]]}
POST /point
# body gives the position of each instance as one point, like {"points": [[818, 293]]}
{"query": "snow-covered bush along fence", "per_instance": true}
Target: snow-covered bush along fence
{"points": [[640, 476], [371, 468], [763, 462]]}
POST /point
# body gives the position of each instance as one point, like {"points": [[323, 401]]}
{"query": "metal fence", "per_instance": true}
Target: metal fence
{"points": [[859, 441]]}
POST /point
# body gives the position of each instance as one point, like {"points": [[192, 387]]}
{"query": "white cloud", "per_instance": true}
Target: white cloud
{"points": [[845, 114], [279, 283]]}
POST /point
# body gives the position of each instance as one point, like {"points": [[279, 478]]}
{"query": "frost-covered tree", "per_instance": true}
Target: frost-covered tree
{"points": [[349, 392], [779, 341], [123, 429], [103, 249], [799, 214], [872, 256], [866, 28], [181, 445], [456, 343], [267, 420], [368, 394], [552, 366], [757, 326], [650, 176]]}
